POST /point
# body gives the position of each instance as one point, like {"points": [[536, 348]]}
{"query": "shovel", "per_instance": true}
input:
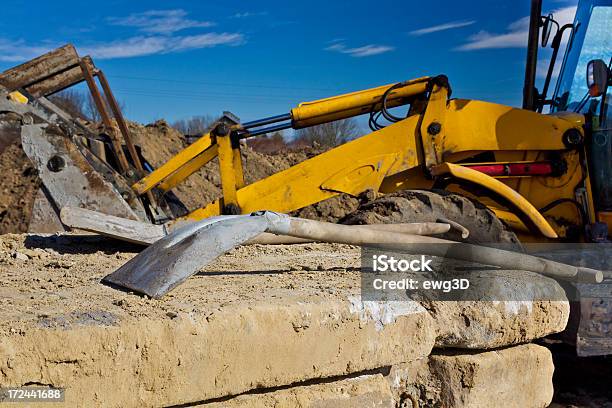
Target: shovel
{"points": [[173, 259], [144, 233]]}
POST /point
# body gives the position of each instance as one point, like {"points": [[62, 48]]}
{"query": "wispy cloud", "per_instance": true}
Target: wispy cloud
{"points": [[247, 14], [159, 21], [17, 51], [153, 32], [442, 27], [542, 69], [364, 51], [515, 35], [125, 48], [140, 46]]}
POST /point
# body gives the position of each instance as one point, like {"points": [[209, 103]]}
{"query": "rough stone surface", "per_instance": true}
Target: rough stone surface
{"points": [[516, 307], [293, 316], [368, 391], [488, 325], [499, 308], [514, 377]]}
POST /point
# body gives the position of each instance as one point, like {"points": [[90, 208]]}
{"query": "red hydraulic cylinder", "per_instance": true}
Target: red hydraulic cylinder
{"points": [[515, 169]]}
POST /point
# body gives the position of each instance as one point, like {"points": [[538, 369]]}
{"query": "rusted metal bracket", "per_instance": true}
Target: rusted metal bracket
{"points": [[53, 72], [40, 69]]}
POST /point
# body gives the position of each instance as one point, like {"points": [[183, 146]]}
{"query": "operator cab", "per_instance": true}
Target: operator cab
{"points": [[583, 86]]}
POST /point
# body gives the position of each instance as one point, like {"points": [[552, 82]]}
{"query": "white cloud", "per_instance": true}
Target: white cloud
{"points": [[565, 15], [155, 33], [250, 14], [484, 40], [442, 27], [139, 46], [159, 21], [17, 51], [515, 35], [364, 51], [126, 48]]}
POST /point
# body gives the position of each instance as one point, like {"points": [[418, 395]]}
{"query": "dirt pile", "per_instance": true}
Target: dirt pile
{"points": [[18, 186], [159, 142]]}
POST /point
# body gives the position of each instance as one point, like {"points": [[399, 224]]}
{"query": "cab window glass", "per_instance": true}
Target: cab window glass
{"points": [[591, 40]]}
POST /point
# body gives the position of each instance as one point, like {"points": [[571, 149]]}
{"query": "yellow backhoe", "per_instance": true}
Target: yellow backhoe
{"points": [[531, 177]]}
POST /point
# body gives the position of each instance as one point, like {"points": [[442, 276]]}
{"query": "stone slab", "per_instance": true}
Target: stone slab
{"points": [[260, 317], [294, 315], [516, 307], [513, 377], [368, 391]]}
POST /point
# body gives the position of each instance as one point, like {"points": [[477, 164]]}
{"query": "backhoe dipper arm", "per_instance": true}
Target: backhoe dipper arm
{"points": [[306, 114]]}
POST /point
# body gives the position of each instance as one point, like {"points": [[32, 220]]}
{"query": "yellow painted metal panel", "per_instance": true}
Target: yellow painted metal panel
{"points": [[477, 125], [434, 117], [18, 97], [361, 176], [228, 172], [238, 168]]}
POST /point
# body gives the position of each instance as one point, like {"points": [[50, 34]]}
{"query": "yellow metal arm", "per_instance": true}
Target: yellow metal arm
{"points": [[356, 103], [181, 159], [189, 168], [189, 160], [393, 156], [363, 162]]}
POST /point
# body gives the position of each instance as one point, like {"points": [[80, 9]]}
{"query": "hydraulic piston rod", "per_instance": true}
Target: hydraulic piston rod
{"points": [[339, 107], [355, 103]]}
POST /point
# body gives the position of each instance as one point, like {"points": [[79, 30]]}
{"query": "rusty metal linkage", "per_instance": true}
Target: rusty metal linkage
{"points": [[62, 68], [106, 120]]}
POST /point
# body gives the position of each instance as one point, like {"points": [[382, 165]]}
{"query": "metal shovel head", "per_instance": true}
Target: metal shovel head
{"points": [[174, 258]]}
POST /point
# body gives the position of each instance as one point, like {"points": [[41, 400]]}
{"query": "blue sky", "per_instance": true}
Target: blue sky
{"points": [[176, 59]]}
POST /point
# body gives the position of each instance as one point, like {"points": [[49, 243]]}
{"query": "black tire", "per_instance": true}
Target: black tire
{"points": [[428, 206]]}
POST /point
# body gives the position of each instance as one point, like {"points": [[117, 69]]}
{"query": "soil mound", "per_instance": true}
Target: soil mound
{"points": [[158, 142], [18, 186]]}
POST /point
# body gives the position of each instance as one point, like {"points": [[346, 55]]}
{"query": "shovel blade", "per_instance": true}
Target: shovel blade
{"points": [[171, 260]]}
